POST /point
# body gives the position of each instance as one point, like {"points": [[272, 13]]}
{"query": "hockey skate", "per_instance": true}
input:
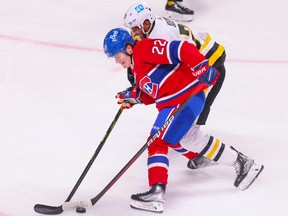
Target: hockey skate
{"points": [[200, 162], [247, 171], [178, 12], [151, 200]]}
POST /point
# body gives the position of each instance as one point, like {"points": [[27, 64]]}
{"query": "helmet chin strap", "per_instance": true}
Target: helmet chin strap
{"points": [[149, 30], [145, 33], [144, 30], [131, 59]]}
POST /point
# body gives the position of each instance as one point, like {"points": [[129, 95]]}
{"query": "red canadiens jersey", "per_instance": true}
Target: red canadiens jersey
{"points": [[167, 72]]}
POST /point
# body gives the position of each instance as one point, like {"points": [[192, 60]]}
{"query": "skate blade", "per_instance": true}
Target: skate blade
{"points": [[179, 17], [251, 177], [148, 206], [194, 167]]}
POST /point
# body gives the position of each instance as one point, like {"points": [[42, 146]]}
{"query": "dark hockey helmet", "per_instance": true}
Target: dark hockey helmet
{"points": [[116, 41]]}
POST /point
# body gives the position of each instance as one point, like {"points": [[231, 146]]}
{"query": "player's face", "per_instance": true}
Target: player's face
{"points": [[146, 26], [123, 59], [137, 32]]}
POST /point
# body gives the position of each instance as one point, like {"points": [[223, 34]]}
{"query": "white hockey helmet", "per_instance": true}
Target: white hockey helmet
{"points": [[137, 14]]}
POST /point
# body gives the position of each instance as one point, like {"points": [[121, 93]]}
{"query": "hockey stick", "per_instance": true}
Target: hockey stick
{"points": [[51, 210], [43, 209]]}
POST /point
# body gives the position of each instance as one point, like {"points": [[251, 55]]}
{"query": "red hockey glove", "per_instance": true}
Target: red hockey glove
{"points": [[129, 97], [210, 77], [206, 73]]}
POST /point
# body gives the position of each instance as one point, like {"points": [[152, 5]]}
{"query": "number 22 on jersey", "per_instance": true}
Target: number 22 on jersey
{"points": [[159, 47]]}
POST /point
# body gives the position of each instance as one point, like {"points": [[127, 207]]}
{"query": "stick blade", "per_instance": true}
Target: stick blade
{"points": [[48, 210]]}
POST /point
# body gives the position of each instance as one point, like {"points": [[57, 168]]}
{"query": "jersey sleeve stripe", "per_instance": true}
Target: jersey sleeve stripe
{"points": [[206, 44], [173, 52], [179, 93], [168, 75], [168, 53], [179, 49], [211, 50], [161, 73]]}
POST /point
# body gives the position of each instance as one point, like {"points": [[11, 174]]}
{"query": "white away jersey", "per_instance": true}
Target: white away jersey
{"points": [[170, 30]]}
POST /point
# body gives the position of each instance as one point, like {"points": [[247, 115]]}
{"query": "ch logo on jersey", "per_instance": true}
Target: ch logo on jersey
{"points": [[148, 87]]}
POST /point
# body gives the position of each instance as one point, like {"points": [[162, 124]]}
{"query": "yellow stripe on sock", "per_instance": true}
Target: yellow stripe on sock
{"points": [[213, 149]]}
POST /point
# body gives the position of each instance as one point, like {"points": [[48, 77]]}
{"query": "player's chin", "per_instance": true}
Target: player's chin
{"points": [[125, 65]]}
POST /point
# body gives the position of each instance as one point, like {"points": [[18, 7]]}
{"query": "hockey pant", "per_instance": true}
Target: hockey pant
{"points": [[183, 131], [158, 161]]}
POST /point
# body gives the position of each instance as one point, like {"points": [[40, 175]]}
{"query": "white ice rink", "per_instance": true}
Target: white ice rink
{"points": [[57, 100]]}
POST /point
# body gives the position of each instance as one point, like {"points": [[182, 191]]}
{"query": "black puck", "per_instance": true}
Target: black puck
{"points": [[80, 210]]}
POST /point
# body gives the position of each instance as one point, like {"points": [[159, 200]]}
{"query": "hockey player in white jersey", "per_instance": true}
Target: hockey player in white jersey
{"points": [[143, 23]]}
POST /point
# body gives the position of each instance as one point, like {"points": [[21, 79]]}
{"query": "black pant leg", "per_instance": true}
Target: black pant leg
{"points": [[213, 92]]}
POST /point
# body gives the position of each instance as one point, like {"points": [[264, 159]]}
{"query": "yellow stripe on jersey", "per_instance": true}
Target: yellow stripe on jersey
{"points": [[213, 150], [212, 47], [206, 42]]}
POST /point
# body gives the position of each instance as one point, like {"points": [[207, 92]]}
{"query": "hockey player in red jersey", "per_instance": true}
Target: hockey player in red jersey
{"points": [[168, 73], [143, 23]]}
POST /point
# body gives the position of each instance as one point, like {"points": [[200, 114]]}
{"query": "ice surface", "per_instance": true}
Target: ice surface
{"points": [[57, 100]]}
